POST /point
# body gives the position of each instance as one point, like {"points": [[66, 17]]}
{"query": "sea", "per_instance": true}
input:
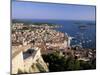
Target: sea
{"points": [[82, 31]]}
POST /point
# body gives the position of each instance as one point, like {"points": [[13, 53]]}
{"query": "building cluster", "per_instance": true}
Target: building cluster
{"points": [[84, 54], [42, 37]]}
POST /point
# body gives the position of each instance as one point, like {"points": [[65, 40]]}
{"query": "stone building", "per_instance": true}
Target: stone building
{"points": [[29, 61]]}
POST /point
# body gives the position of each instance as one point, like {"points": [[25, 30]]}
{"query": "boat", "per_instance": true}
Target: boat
{"points": [[83, 27]]}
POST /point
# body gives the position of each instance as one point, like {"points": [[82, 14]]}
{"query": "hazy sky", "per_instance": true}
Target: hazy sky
{"points": [[32, 10]]}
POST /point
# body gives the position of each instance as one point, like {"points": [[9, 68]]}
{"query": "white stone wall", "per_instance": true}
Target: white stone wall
{"points": [[25, 65], [17, 63]]}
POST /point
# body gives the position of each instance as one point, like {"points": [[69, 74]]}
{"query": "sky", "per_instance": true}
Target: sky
{"points": [[33, 10]]}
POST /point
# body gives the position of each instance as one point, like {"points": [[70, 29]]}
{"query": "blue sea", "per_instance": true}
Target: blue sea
{"points": [[84, 32]]}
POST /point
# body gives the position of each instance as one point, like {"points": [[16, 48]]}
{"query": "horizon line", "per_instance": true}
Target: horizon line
{"points": [[51, 19]]}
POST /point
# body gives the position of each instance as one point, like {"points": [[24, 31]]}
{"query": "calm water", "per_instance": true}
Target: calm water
{"points": [[84, 32]]}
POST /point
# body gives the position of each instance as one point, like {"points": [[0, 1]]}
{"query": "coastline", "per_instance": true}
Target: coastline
{"points": [[46, 40]]}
